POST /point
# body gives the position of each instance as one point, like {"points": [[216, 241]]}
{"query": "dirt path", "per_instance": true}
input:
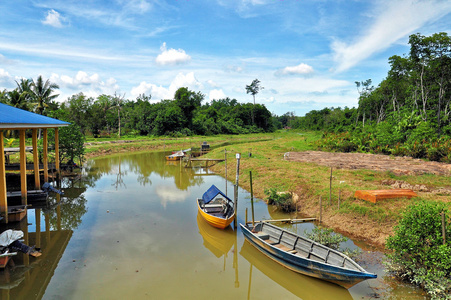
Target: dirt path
{"points": [[397, 165]]}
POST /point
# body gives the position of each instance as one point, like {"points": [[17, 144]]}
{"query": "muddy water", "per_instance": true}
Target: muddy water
{"points": [[129, 229]]}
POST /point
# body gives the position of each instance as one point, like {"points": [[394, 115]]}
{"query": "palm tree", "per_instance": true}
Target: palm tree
{"points": [[18, 99], [41, 94]]}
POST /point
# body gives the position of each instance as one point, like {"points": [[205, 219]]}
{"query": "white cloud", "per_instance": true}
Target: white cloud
{"points": [[395, 20], [212, 83], [301, 69], [159, 92], [216, 95], [53, 19], [172, 56], [4, 75], [91, 85]]}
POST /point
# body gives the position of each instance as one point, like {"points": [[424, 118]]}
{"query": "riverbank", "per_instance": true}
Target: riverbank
{"points": [[270, 157]]}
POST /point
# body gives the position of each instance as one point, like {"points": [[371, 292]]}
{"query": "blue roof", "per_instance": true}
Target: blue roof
{"points": [[12, 117], [211, 193]]}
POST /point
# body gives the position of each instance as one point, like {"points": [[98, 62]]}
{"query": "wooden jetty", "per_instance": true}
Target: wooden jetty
{"points": [[377, 195], [208, 161]]}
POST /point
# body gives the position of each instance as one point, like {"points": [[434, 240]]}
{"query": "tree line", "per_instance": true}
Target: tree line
{"points": [[108, 115], [407, 114]]}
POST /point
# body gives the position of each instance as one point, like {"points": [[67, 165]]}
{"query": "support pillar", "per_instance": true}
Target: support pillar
{"points": [[23, 167], [37, 179], [57, 155], [45, 155], [3, 196]]}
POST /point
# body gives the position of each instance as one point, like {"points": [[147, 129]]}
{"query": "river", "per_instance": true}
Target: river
{"points": [[129, 229]]}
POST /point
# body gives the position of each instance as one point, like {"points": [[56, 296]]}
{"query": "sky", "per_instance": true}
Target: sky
{"points": [[307, 54]]}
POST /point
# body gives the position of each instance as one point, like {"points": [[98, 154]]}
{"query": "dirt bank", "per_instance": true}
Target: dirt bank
{"points": [[363, 228], [397, 165]]}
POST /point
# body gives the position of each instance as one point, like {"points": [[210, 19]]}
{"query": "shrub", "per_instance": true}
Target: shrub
{"points": [[282, 200], [418, 253]]}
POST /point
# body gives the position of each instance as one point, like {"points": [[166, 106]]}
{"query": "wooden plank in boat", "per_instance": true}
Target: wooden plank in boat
{"points": [[376, 195]]}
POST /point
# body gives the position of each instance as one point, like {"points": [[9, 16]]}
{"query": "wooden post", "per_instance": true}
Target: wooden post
{"points": [[23, 167], [57, 155], [3, 197], [45, 155], [339, 197], [252, 198], [443, 228], [320, 209], [37, 179], [245, 217], [330, 187], [225, 159], [238, 156]]}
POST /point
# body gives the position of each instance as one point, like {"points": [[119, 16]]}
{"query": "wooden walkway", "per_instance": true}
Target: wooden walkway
{"points": [[208, 161]]}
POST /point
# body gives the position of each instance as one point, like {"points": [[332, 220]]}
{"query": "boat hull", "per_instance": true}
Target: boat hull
{"points": [[216, 221], [341, 276]]}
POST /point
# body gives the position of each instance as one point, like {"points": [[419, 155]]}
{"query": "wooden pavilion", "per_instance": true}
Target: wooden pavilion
{"points": [[12, 118]]}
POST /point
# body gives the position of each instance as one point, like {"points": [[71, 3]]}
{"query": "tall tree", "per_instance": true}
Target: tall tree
{"points": [[42, 94], [254, 88]]}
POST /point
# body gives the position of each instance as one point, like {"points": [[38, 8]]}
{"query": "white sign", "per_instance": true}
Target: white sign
{"points": [[238, 156]]}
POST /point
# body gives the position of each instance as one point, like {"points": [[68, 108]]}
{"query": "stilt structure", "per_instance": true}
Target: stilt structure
{"points": [[12, 118]]}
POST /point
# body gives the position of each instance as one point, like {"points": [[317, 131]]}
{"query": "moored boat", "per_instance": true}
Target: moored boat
{"points": [[216, 210], [305, 256], [175, 156]]}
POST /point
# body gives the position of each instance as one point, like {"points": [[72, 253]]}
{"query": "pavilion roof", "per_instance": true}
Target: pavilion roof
{"points": [[16, 118]]}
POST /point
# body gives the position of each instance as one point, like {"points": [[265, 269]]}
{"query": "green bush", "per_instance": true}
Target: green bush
{"points": [[417, 252], [280, 199]]}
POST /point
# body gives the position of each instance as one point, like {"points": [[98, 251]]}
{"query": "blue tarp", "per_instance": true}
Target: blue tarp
{"points": [[211, 193]]}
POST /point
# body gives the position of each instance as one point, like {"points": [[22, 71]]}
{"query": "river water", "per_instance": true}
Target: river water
{"points": [[129, 229]]}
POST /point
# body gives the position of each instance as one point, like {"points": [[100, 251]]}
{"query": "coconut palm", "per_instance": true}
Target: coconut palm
{"points": [[41, 94]]}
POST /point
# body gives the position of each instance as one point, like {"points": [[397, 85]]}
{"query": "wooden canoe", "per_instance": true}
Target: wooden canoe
{"points": [[217, 211], [305, 256]]}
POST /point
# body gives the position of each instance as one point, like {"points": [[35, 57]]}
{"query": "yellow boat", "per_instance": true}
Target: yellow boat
{"points": [[217, 211]]}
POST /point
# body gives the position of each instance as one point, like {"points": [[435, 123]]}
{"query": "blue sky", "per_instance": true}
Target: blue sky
{"points": [[306, 53]]}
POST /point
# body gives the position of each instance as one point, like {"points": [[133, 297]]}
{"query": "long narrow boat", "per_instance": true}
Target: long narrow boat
{"points": [[305, 256], [217, 211]]}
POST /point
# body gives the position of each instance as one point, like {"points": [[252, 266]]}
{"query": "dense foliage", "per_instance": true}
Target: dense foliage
{"points": [[408, 113], [419, 254], [112, 114]]}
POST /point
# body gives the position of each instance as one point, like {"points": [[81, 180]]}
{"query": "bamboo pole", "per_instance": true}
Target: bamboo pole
{"points": [[225, 159], [320, 209], [443, 228], [286, 220], [330, 187], [238, 156], [252, 198]]}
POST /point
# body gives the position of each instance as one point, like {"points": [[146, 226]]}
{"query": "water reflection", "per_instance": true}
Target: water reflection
{"points": [[25, 276], [302, 286], [218, 241]]}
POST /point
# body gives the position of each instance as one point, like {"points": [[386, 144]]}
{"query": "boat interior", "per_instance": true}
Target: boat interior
{"points": [[218, 207], [303, 247]]}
